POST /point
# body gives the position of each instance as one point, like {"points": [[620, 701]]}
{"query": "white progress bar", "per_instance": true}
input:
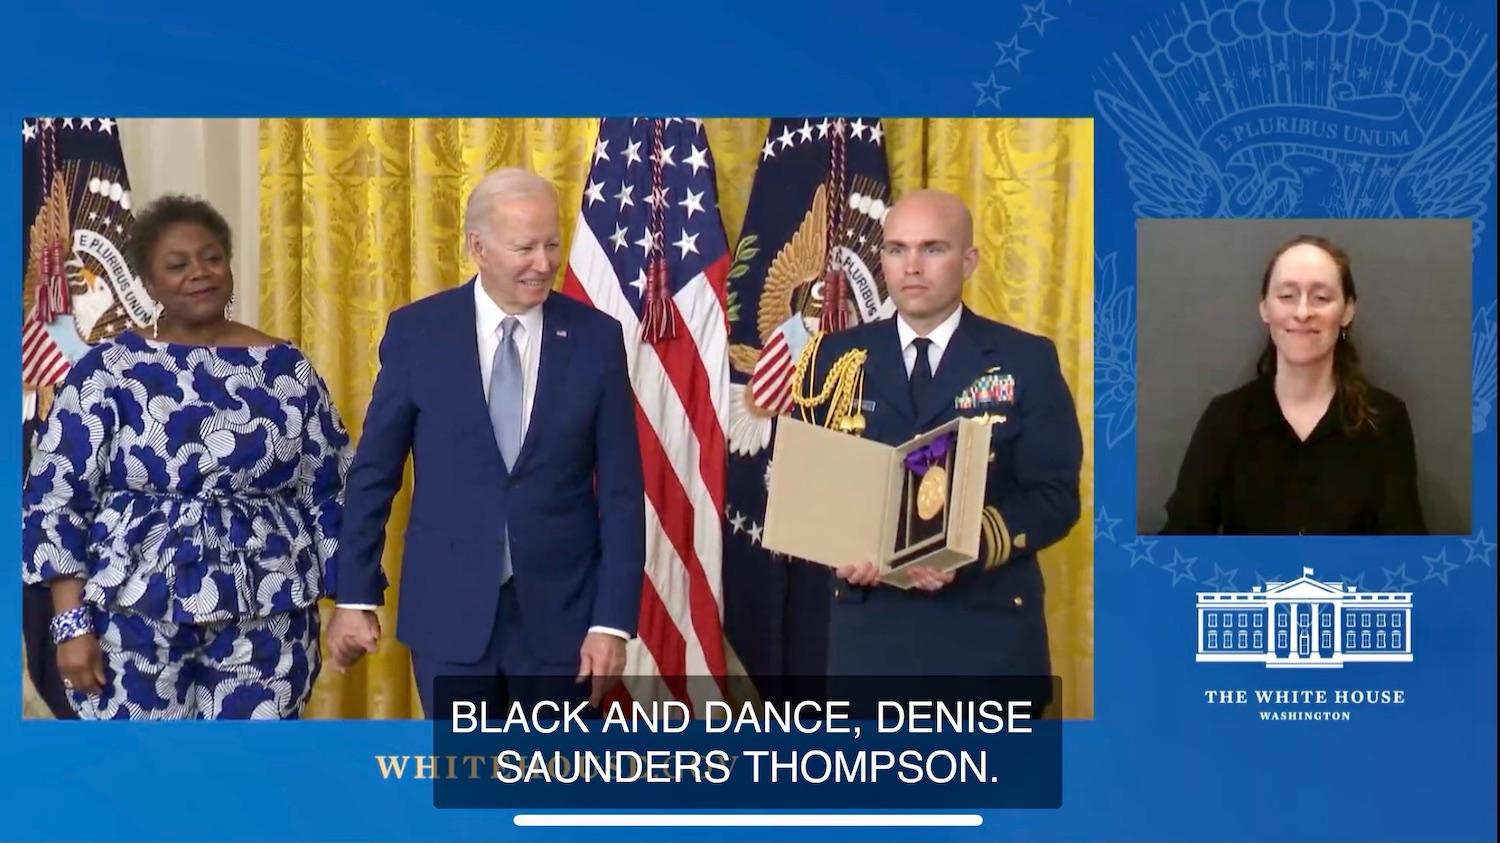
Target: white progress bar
{"points": [[750, 820]]}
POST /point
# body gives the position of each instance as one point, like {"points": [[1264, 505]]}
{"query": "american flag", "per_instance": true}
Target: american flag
{"points": [[42, 362], [650, 250]]}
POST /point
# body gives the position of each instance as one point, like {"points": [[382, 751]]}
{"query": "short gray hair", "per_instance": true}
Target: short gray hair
{"points": [[500, 185]]}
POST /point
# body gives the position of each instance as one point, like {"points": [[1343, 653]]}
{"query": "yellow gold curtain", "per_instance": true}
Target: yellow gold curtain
{"points": [[359, 217]]}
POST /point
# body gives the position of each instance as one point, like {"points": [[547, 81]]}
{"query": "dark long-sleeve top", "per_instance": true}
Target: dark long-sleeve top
{"points": [[1247, 472]]}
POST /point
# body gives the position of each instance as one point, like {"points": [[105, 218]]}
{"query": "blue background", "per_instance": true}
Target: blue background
{"points": [[1157, 762]]}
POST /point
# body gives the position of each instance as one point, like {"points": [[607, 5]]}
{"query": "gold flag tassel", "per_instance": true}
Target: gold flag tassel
{"points": [[843, 389]]}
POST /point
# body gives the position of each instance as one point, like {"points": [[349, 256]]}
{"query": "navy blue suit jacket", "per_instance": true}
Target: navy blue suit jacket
{"points": [[988, 621], [574, 503]]}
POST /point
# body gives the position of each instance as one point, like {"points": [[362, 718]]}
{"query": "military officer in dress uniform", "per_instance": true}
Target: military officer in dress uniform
{"points": [[934, 361]]}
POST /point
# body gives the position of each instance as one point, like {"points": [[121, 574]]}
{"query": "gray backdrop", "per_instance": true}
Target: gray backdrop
{"points": [[1199, 334]]}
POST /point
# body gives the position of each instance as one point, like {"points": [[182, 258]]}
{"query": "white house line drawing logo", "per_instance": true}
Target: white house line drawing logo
{"points": [[1304, 623]]}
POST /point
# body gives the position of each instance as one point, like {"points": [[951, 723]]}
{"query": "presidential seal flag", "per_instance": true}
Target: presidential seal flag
{"points": [[808, 260], [77, 288], [649, 249]]}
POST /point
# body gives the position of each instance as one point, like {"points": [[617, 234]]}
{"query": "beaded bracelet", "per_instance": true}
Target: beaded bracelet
{"points": [[71, 624]]}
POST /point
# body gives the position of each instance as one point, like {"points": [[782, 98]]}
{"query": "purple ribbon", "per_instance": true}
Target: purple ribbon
{"points": [[923, 458]]}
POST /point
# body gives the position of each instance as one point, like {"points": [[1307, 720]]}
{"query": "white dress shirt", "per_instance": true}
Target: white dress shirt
{"points": [[528, 338], [940, 336]]}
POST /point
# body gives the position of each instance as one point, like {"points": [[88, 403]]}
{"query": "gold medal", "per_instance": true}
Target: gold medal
{"points": [[932, 494]]}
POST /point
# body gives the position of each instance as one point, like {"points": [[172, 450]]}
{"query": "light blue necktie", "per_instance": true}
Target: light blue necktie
{"points": [[506, 392]]}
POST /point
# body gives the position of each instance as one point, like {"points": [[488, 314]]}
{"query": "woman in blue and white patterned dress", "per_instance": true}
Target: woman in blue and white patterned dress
{"points": [[184, 500]]}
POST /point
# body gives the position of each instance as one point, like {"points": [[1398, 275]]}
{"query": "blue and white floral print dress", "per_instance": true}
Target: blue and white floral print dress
{"points": [[188, 483], [189, 486]]}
